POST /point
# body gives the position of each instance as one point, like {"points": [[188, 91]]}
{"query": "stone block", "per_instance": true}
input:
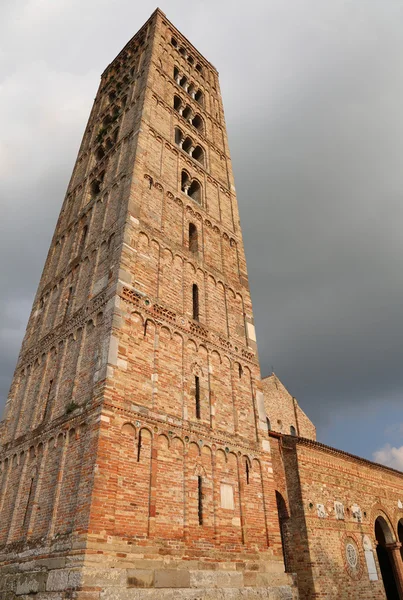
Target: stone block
{"points": [[172, 578], [31, 583], [57, 580], [104, 577], [140, 578]]}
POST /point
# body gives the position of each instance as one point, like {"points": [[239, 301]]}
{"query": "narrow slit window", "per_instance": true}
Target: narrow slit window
{"points": [[197, 397], [139, 447], [268, 424], [293, 430], [193, 238], [83, 238], [45, 412], [195, 298], [200, 499], [247, 471], [68, 301], [27, 508]]}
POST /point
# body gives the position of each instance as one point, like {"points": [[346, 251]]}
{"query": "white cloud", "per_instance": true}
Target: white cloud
{"points": [[390, 456]]}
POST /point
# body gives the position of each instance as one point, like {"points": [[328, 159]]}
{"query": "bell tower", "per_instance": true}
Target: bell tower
{"points": [[135, 450]]}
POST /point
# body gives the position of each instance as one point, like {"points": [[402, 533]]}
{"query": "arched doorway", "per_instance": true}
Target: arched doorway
{"points": [[400, 535], [384, 536]]}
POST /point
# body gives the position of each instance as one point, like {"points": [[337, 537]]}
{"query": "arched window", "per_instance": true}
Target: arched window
{"points": [[195, 299], [293, 430], [199, 68], [268, 424], [187, 145], [184, 82], [177, 103], [198, 154], [182, 51], [187, 113], [185, 183], [197, 122], [100, 153], [174, 42], [199, 97], [190, 60], [95, 187], [178, 136], [193, 241], [194, 191], [176, 74]]}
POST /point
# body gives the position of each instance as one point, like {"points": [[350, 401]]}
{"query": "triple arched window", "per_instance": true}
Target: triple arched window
{"points": [[188, 86], [189, 146], [188, 114]]}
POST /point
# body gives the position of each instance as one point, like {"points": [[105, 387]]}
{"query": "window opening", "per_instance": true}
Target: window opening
{"points": [[45, 412], [68, 301], [193, 241], [178, 137], [200, 499], [185, 183], [194, 191], [174, 42], [195, 298], [268, 424], [177, 103], [197, 122], [247, 471], [31, 487], [187, 114], [83, 239], [139, 447], [198, 154], [197, 396], [100, 153], [187, 145], [199, 97], [292, 430]]}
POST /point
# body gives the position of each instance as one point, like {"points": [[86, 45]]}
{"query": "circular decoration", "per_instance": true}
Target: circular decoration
{"points": [[351, 555]]}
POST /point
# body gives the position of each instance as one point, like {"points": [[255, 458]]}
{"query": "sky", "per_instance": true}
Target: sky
{"points": [[312, 94]]}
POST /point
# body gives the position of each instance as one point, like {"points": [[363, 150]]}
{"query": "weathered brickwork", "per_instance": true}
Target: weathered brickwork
{"points": [[334, 500], [135, 451]]}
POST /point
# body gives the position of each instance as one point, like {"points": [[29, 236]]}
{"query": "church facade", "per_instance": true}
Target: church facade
{"points": [[142, 455]]}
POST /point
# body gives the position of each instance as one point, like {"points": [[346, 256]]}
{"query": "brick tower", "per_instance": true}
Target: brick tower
{"points": [[134, 446]]}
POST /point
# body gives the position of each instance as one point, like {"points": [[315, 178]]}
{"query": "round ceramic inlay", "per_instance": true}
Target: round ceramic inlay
{"points": [[351, 555]]}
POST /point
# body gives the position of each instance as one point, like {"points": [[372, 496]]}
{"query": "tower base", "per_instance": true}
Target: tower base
{"points": [[70, 570]]}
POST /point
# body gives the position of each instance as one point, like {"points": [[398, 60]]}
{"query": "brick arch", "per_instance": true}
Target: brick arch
{"points": [[129, 429], [378, 510]]}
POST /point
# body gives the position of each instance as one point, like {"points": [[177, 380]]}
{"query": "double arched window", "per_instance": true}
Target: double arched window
{"points": [[191, 187]]}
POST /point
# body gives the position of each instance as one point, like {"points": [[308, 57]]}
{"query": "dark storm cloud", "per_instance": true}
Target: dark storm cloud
{"points": [[312, 93]]}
